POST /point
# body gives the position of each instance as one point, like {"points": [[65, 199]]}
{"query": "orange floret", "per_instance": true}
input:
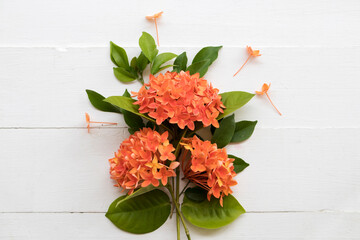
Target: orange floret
{"points": [[140, 160], [155, 17], [252, 53], [264, 90], [181, 98], [87, 118], [209, 167]]}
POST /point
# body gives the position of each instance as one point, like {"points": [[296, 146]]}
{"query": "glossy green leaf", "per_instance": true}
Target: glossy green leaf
{"points": [[199, 67], [239, 164], [96, 100], [142, 213], [223, 135], [233, 101], [148, 46], [142, 62], [127, 104], [134, 121], [164, 67], [134, 63], [243, 130], [203, 59], [196, 194], [160, 60], [209, 214], [118, 56], [123, 75], [207, 53], [180, 63]]}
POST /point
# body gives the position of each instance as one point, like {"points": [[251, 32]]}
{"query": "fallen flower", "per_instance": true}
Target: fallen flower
{"points": [[87, 117], [155, 17], [252, 53], [264, 90]]}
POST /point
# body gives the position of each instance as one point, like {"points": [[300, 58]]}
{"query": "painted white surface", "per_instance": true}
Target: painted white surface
{"points": [[303, 181]]}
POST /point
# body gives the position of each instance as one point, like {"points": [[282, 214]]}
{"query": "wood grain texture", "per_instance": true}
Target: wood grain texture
{"points": [[290, 170], [310, 86], [257, 22], [303, 181], [254, 226]]}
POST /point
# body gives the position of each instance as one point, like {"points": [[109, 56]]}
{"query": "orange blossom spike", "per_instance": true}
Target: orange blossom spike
{"points": [[155, 17], [252, 53], [264, 90], [87, 117]]}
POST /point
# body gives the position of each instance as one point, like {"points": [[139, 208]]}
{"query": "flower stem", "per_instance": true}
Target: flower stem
{"points": [[179, 214], [184, 188], [243, 65], [176, 199], [141, 78], [272, 103]]}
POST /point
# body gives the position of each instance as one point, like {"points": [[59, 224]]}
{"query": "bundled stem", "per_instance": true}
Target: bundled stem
{"points": [[179, 214], [176, 196]]}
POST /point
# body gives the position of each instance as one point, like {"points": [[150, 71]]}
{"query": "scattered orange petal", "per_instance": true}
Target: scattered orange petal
{"points": [[252, 53], [155, 17], [87, 118], [264, 90]]}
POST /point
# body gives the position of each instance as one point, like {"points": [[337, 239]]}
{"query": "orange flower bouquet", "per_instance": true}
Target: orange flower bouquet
{"points": [[179, 126]]}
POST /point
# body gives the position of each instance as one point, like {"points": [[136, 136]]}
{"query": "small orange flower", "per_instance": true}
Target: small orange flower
{"points": [[252, 53], [264, 90], [87, 117], [155, 17], [141, 160], [180, 98], [208, 167]]}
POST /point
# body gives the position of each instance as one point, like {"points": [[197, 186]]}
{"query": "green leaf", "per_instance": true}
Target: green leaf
{"points": [[127, 104], [123, 75], [233, 101], [164, 67], [203, 59], [199, 67], [223, 135], [148, 46], [134, 63], [142, 62], [243, 130], [209, 214], [180, 63], [160, 60], [140, 214], [96, 100], [239, 164], [118, 56], [134, 121], [210, 53], [196, 194]]}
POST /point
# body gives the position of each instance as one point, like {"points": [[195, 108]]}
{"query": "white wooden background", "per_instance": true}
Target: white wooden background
{"points": [[303, 181]]}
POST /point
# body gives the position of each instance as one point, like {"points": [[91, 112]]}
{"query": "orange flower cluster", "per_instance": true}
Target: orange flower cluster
{"points": [[140, 160], [209, 167], [182, 98]]}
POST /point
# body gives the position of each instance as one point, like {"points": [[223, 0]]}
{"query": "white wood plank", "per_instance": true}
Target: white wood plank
{"points": [[326, 226], [52, 170], [313, 87], [259, 22]]}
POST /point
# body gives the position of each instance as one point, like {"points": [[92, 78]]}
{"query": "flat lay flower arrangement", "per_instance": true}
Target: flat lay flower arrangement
{"points": [[180, 125]]}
